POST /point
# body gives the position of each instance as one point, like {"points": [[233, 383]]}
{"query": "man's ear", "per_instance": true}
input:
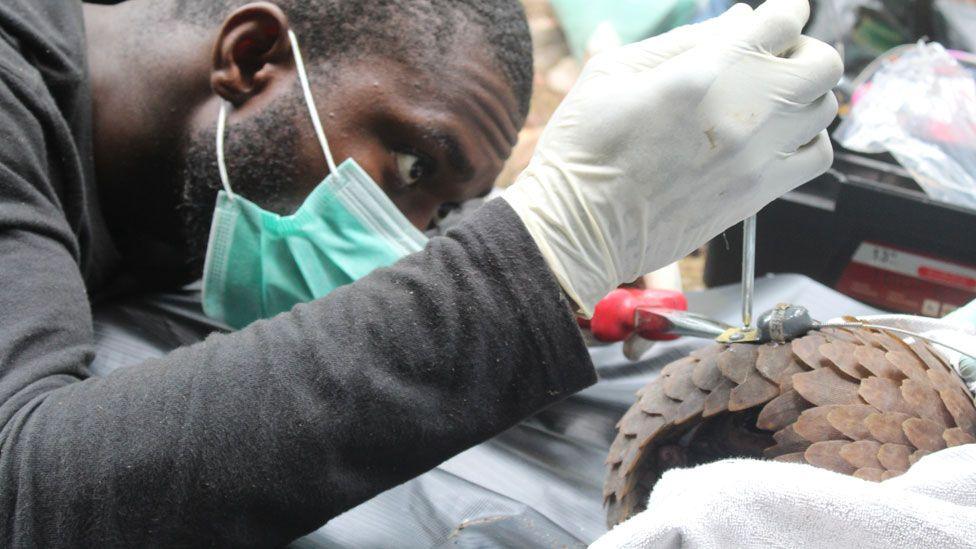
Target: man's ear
{"points": [[252, 42]]}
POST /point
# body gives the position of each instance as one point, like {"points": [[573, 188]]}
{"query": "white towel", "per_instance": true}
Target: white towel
{"points": [[749, 503]]}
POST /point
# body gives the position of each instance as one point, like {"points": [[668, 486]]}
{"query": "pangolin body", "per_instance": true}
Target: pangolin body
{"points": [[860, 402]]}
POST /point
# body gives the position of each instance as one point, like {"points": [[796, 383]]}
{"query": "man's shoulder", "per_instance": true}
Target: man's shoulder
{"points": [[49, 15], [48, 35], [47, 184]]}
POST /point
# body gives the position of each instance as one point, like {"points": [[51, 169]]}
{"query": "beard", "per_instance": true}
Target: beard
{"points": [[258, 153]]}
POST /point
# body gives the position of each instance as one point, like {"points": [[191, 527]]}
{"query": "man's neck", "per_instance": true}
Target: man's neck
{"points": [[145, 88]]}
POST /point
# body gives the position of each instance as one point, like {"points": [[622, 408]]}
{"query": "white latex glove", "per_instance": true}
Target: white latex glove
{"points": [[663, 144]]}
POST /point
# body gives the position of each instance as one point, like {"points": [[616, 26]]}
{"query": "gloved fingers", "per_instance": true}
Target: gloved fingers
{"points": [[648, 54], [816, 67], [778, 25], [807, 123], [808, 162]]}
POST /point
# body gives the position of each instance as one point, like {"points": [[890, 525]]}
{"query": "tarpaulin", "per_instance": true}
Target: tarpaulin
{"points": [[537, 484]]}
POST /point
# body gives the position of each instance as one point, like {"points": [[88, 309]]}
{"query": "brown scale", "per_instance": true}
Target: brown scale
{"points": [[860, 402]]}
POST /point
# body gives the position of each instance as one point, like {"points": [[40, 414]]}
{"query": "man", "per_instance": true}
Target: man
{"points": [[123, 126]]}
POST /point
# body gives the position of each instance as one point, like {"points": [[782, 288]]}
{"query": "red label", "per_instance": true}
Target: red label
{"points": [[907, 282], [951, 279]]}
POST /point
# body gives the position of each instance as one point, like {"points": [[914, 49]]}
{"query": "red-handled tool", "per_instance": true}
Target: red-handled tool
{"points": [[656, 315]]}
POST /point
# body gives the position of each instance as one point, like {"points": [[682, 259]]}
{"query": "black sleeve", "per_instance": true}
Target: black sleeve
{"points": [[260, 436]]}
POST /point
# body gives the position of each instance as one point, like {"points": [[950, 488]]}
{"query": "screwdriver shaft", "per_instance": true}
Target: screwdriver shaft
{"points": [[748, 268]]}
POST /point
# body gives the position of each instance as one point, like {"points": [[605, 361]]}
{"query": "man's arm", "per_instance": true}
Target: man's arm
{"points": [[259, 436]]}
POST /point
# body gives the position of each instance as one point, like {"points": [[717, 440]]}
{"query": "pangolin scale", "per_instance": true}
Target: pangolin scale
{"points": [[860, 402]]}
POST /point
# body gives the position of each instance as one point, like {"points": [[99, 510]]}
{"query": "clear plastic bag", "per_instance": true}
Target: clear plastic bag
{"points": [[921, 107]]}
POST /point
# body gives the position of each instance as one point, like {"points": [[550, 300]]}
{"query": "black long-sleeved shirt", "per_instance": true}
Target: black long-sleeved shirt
{"points": [[250, 438]]}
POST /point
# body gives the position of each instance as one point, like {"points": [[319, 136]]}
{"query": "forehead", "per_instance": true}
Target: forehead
{"points": [[465, 96]]}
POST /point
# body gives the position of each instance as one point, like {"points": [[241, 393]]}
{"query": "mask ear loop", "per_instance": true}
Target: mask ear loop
{"points": [[310, 103], [312, 111], [221, 166]]}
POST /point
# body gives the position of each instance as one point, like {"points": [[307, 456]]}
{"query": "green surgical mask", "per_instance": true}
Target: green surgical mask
{"points": [[260, 263]]}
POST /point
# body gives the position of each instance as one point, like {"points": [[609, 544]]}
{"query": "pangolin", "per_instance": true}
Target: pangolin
{"points": [[860, 402]]}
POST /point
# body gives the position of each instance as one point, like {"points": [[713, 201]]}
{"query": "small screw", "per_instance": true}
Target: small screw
{"points": [[735, 337]]}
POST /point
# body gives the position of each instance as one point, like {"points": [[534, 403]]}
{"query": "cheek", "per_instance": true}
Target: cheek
{"points": [[378, 162], [420, 210]]}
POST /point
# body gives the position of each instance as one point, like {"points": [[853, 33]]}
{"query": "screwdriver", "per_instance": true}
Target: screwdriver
{"points": [[748, 270], [652, 314]]}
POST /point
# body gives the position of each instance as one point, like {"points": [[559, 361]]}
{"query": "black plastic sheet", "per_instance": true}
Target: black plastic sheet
{"points": [[537, 484]]}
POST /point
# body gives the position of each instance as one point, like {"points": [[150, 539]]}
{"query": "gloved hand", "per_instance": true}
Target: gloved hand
{"points": [[663, 144]]}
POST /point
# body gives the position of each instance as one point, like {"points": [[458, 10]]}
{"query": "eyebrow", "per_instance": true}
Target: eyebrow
{"points": [[452, 148]]}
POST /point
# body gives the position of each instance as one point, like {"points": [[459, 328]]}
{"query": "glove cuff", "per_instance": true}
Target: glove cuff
{"points": [[558, 232]]}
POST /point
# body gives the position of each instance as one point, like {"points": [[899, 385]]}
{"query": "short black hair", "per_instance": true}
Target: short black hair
{"points": [[405, 29]]}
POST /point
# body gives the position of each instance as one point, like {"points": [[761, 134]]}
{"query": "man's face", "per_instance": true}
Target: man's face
{"points": [[428, 136]]}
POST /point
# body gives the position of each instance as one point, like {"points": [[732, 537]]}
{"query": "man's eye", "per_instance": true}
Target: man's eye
{"points": [[410, 167]]}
